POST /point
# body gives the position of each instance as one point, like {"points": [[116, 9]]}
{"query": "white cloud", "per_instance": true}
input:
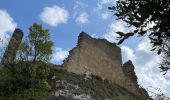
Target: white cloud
{"points": [[105, 15], [79, 5], [82, 18], [145, 61], [59, 55], [113, 28], [94, 36], [128, 54], [103, 3], [80, 14], [145, 45], [7, 25], [54, 15], [146, 65]]}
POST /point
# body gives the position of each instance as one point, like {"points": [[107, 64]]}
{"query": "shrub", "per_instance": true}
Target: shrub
{"points": [[22, 76]]}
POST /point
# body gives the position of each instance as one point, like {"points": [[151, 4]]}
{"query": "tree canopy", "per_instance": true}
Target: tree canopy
{"points": [[150, 18], [38, 45], [30, 77]]}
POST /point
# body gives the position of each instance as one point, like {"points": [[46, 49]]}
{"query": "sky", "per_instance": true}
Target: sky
{"points": [[67, 18]]}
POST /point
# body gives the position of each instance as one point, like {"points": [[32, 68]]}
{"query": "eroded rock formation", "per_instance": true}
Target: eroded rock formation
{"points": [[128, 69], [102, 58], [12, 48], [131, 81]]}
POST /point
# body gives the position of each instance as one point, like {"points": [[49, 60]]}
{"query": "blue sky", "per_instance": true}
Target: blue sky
{"points": [[67, 18]]}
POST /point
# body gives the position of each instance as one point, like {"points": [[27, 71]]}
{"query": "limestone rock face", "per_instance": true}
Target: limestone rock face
{"points": [[102, 58], [70, 86], [12, 48]]}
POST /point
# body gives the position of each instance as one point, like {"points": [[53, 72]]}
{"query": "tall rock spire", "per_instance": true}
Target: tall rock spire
{"points": [[11, 50]]}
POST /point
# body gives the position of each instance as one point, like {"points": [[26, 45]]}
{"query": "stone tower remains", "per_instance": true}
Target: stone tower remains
{"points": [[12, 48], [102, 58], [96, 56]]}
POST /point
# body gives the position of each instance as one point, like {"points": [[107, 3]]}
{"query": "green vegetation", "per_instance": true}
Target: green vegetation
{"points": [[28, 94], [33, 81], [23, 80], [38, 46], [32, 78], [148, 18], [29, 77]]}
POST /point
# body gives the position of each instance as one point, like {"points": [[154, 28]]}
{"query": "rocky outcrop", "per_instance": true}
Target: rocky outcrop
{"points": [[69, 91], [102, 58], [12, 48], [131, 81], [70, 86], [128, 69]]}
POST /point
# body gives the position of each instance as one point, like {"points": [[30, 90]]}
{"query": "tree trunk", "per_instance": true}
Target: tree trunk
{"points": [[35, 48]]}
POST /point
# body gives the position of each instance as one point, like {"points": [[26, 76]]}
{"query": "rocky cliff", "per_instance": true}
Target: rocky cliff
{"points": [[102, 58], [70, 86]]}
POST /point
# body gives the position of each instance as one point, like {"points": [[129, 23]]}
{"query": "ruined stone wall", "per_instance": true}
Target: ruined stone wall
{"points": [[102, 58], [12, 48], [96, 56], [131, 81]]}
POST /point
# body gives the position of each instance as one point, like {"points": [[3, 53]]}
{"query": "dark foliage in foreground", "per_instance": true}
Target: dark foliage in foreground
{"points": [[25, 80], [150, 18]]}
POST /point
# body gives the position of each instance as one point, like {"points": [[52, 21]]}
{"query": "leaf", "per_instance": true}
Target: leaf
{"points": [[129, 34], [111, 8], [142, 32], [135, 31], [121, 41], [121, 33], [136, 24], [159, 51], [153, 49]]}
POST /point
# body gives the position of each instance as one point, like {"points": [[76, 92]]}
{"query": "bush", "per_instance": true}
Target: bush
{"points": [[28, 94], [23, 76]]}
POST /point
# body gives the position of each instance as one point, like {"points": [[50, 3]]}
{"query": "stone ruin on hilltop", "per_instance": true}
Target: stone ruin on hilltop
{"points": [[12, 48], [91, 56], [102, 58]]}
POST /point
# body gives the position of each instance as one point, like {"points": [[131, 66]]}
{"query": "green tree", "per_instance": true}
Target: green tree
{"points": [[38, 47], [24, 51], [25, 75], [142, 13]]}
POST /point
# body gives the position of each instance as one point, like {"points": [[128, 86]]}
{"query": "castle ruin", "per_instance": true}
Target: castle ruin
{"points": [[91, 56], [12, 48], [102, 58]]}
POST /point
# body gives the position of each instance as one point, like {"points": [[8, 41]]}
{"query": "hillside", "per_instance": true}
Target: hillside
{"points": [[69, 86], [93, 71], [65, 86]]}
